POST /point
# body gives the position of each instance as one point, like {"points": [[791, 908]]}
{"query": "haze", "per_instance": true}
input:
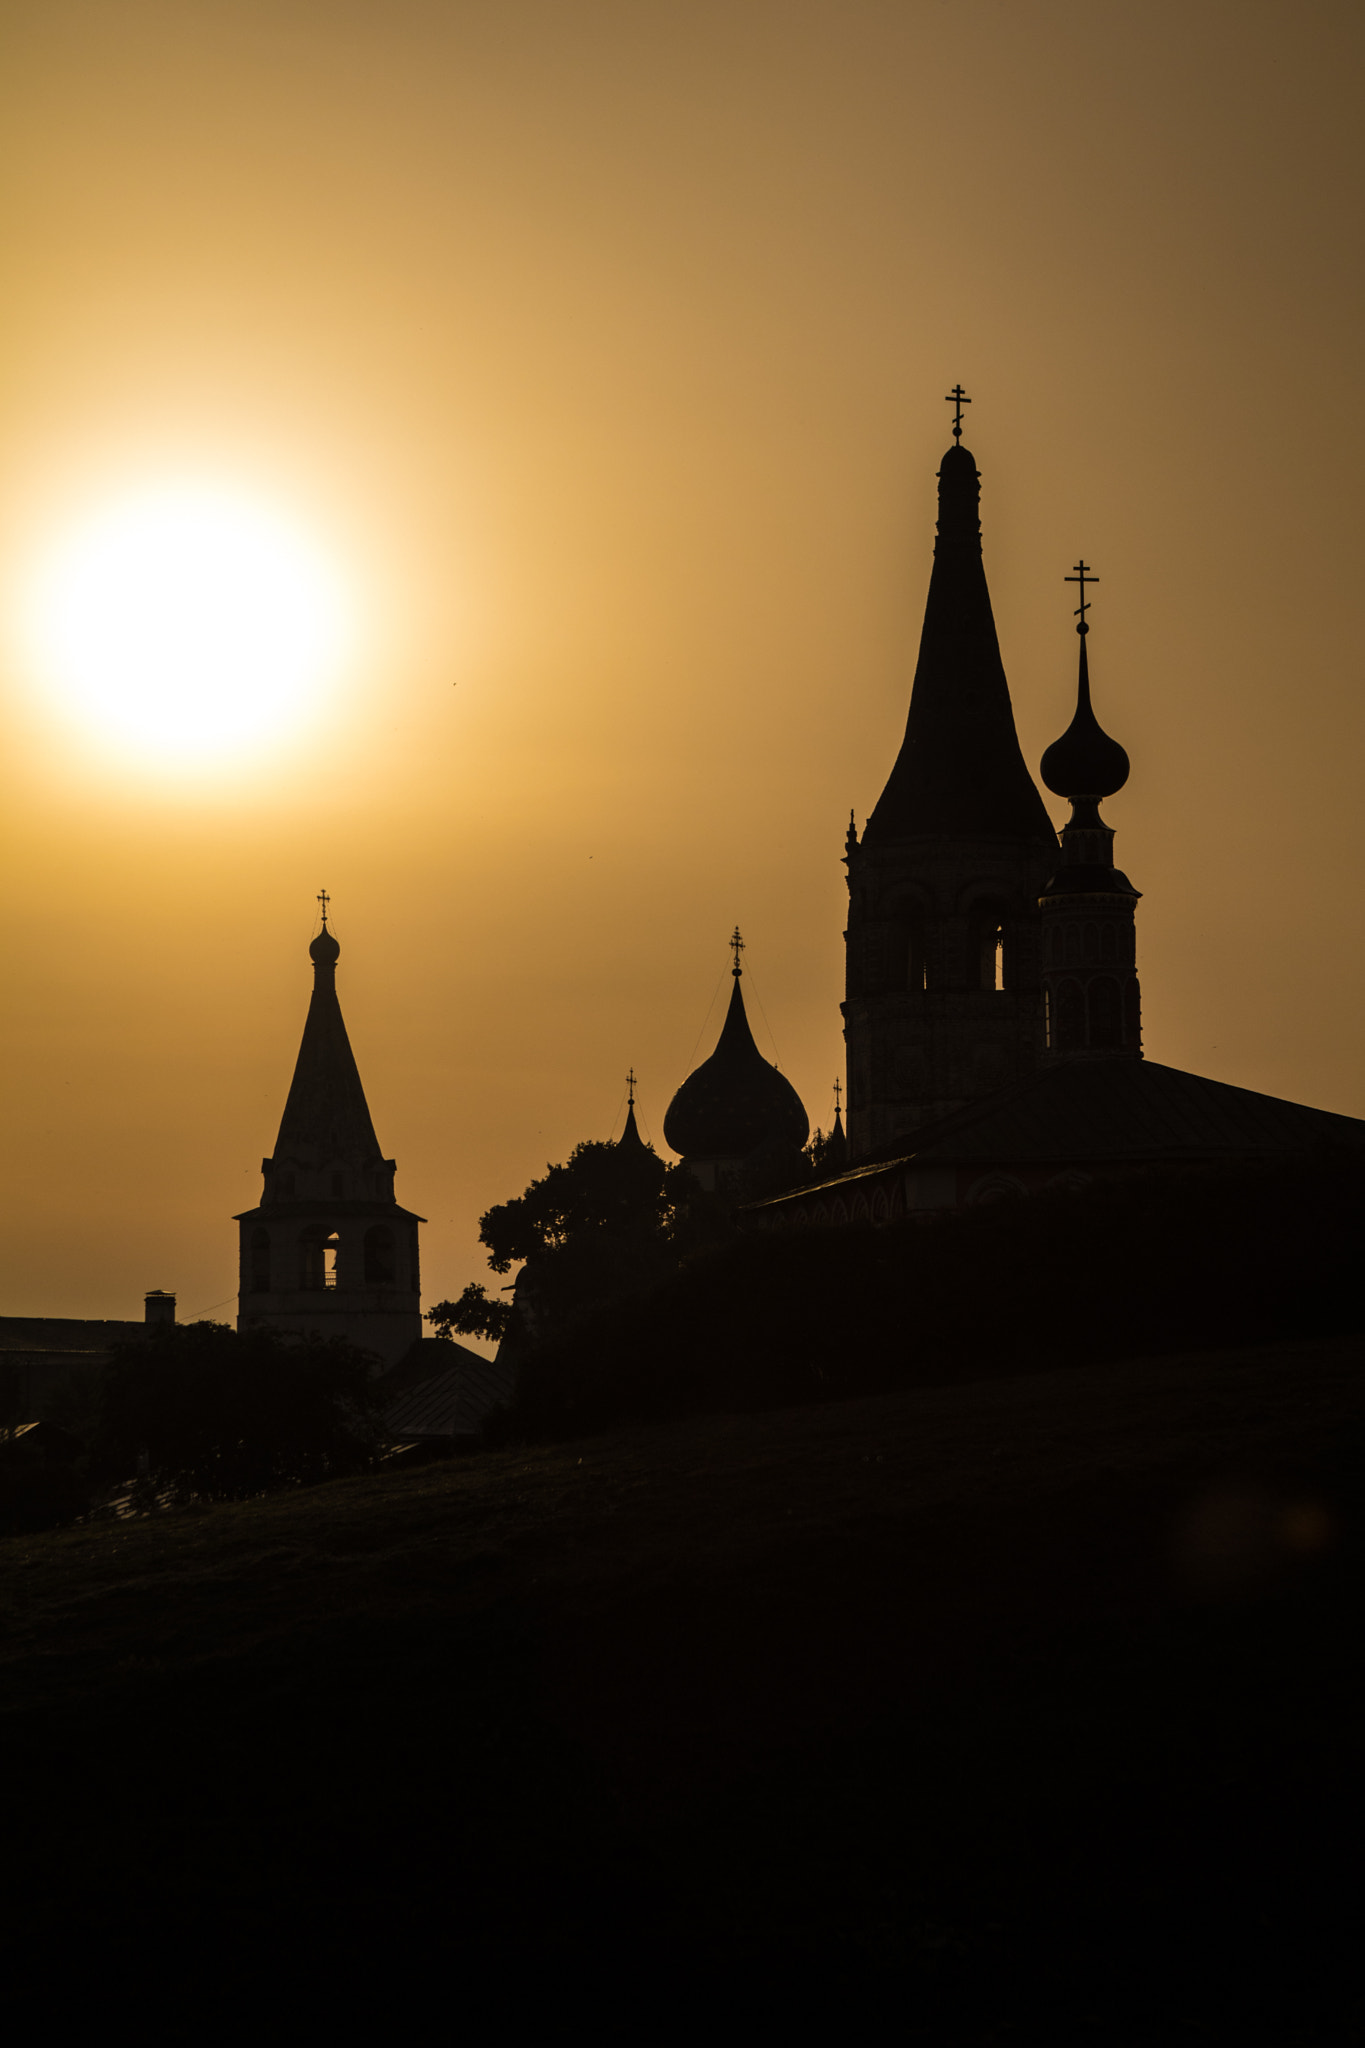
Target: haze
{"points": [[601, 347]]}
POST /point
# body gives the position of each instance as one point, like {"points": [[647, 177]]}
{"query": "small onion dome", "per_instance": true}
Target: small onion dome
{"points": [[1084, 762], [324, 950], [735, 1102]]}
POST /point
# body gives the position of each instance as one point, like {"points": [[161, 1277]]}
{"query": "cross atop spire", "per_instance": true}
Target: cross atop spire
{"points": [[838, 1092], [1083, 575], [736, 947], [324, 899], [957, 398], [630, 1089]]}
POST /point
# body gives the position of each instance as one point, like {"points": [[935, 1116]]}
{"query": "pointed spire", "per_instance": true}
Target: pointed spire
{"points": [[836, 1153], [630, 1139], [326, 1119], [960, 769]]}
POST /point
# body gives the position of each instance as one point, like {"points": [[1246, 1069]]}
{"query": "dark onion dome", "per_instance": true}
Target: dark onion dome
{"points": [[1084, 762], [324, 951], [735, 1103]]}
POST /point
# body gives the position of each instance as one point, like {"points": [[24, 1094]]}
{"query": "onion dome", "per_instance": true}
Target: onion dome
{"points": [[324, 951], [1084, 762], [735, 1104]]}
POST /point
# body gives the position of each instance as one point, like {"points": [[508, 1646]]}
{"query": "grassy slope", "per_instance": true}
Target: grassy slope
{"points": [[1029, 1701]]}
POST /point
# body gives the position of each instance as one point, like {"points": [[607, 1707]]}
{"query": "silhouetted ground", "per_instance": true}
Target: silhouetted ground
{"points": [[1024, 1709]]}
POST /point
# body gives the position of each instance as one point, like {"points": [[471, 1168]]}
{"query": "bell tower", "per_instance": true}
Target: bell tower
{"points": [[944, 997], [329, 1250]]}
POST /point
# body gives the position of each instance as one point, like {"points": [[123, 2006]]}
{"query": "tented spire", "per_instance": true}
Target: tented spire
{"points": [[960, 769], [326, 1119]]}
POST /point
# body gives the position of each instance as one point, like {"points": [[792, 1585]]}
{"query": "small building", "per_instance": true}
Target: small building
{"points": [[329, 1250], [39, 1354]]}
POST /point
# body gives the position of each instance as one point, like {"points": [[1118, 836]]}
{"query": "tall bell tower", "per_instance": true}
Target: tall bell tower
{"points": [[329, 1250], [944, 997]]}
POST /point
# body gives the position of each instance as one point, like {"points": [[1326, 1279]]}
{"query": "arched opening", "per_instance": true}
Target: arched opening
{"points": [[379, 1256], [988, 946], [1070, 1016], [318, 1258], [1105, 1018], [258, 1265]]}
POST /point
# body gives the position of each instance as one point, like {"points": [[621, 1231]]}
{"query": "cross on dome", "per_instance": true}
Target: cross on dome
{"points": [[957, 398], [630, 1089], [324, 899], [737, 947], [1083, 575]]}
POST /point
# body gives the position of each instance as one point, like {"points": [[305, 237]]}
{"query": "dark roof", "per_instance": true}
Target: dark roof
{"points": [[65, 1333], [1116, 1111], [959, 769], [735, 1104], [457, 1388], [326, 1117]]}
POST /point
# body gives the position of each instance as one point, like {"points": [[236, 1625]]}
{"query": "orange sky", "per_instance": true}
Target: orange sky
{"points": [[603, 346]]}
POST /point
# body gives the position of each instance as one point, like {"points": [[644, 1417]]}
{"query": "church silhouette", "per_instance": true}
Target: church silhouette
{"points": [[992, 1011]]}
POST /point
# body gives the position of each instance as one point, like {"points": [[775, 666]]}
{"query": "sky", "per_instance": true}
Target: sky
{"points": [[599, 346]]}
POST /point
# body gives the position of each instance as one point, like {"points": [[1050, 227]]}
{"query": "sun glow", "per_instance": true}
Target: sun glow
{"points": [[189, 623]]}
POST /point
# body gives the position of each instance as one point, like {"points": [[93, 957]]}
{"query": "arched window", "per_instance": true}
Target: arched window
{"points": [[1070, 1016], [1105, 1021], [1091, 942], [1109, 944], [379, 1256], [1132, 1014], [318, 1249], [1073, 945], [259, 1264], [988, 945]]}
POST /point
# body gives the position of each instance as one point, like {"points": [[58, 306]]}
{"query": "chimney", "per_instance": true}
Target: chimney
{"points": [[159, 1309]]}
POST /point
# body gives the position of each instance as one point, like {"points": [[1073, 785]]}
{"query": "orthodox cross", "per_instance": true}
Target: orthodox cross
{"points": [[957, 398], [630, 1087], [737, 947], [838, 1091], [1082, 576], [324, 899]]}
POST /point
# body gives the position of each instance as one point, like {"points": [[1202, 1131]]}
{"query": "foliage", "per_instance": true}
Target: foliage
{"points": [[226, 1415], [38, 1491], [475, 1314], [607, 1222]]}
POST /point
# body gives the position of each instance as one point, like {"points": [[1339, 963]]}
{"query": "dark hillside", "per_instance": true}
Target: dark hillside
{"points": [[1020, 1709], [1162, 1262]]}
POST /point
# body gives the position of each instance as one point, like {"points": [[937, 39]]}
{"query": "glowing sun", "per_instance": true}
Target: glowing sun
{"points": [[189, 622]]}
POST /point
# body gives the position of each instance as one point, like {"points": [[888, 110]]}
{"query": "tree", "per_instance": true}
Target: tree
{"points": [[225, 1414], [608, 1221]]}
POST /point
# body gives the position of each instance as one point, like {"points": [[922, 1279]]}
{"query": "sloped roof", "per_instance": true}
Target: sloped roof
{"points": [[456, 1391], [1112, 1111]]}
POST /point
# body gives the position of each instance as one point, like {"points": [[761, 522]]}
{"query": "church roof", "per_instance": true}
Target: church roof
{"points": [[1114, 1112], [735, 1103], [960, 768], [326, 1117]]}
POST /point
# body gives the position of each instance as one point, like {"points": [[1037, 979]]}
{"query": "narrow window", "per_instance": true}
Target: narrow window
{"points": [[379, 1256], [1105, 1025], [329, 1261], [260, 1262]]}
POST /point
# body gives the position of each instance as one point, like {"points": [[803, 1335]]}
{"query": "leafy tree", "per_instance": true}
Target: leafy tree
{"points": [[225, 1414], [610, 1220]]}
